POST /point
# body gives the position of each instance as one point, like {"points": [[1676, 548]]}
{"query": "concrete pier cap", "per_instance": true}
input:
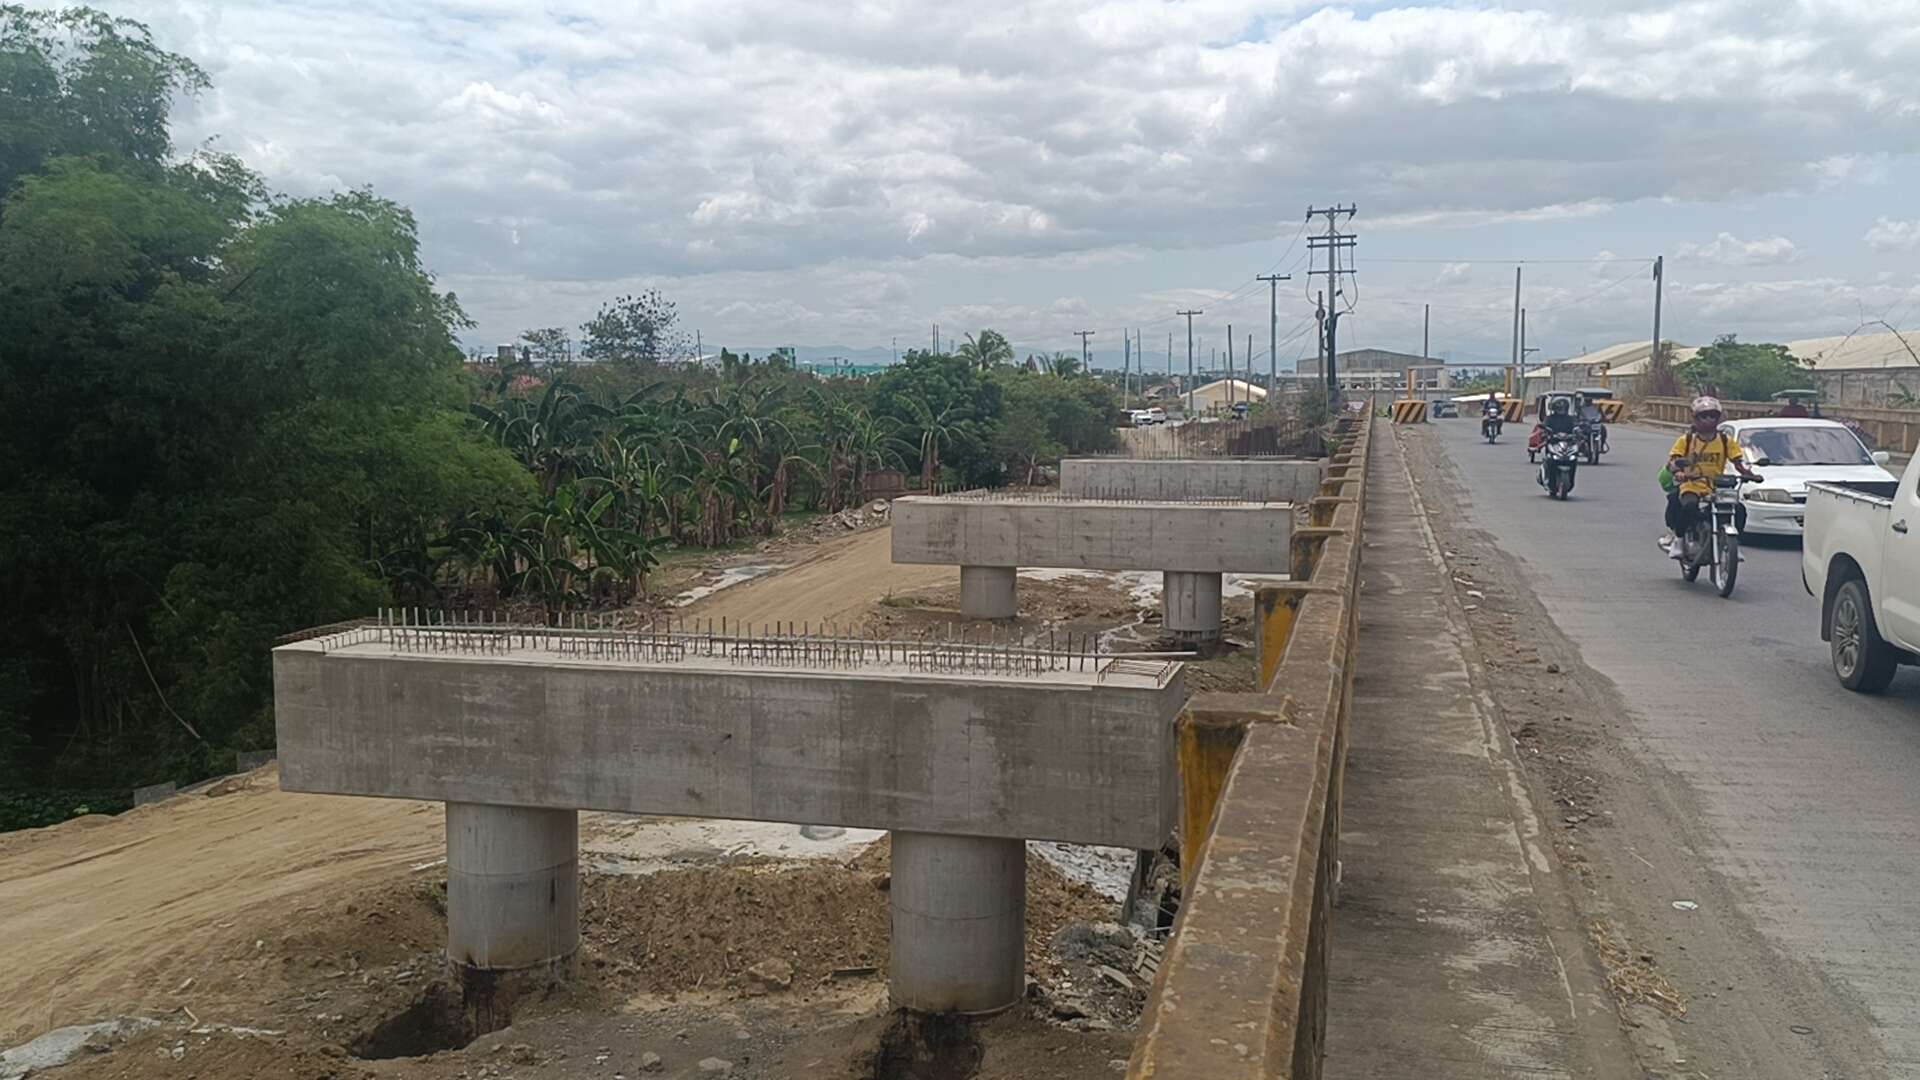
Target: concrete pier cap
{"points": [[1289, 480], [1192, 542], [963, 751]]}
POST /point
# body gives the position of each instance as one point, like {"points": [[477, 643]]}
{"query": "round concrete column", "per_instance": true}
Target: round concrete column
{"points": [[959, 922], [1190, 604], [987, 592], [513, 886]]}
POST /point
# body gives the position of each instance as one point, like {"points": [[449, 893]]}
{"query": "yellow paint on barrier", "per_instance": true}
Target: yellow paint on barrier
{"points": [[1205, 750]]}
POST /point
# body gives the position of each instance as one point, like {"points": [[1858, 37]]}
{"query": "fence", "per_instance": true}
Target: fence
{"points": [[1897, 430], [1242, 990]]}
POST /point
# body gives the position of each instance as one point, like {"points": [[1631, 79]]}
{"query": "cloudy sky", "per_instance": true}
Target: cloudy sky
{"points": [[849, 174]]}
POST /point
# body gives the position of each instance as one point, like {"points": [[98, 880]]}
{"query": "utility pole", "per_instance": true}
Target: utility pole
{"points": [[1517, 358], [1273, 328], [1126, 369], [1333, 243], [1229, 365], [1086, 358], [1426, 330], [1658, 287], [1189, 316]]}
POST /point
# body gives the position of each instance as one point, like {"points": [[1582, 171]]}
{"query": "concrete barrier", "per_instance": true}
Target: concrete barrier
{"points": [[1241, 992], [1410, 412]]}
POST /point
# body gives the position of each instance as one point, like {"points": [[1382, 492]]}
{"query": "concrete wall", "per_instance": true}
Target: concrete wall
{"points": [[1091, 535], [1060, 756], [1241, 993], [1251, 480]]}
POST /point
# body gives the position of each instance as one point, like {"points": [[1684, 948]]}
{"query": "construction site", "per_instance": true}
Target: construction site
{"points": [[905, 803]]}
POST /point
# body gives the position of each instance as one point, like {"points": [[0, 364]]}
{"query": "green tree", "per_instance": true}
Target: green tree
{"points": [[80, 82], [945, 409], [990, 350], [223, 417], [547, 346], [1743, 372], [634, 331]]}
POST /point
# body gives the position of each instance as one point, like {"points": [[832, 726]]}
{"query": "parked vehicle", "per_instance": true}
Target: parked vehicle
{"points": [[1795, 453], [1861, 557], [1146, 417], [1713, 541], [1559, 457]]}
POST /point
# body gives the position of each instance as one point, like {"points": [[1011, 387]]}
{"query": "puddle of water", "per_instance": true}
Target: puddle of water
{"points": [[1234, 585], [620, 844], [727, 579]]}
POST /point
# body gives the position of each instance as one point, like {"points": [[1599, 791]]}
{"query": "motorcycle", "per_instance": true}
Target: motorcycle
{"points": [[1490, 426], [1713, 541], [1594, 442], [1559, 457]]}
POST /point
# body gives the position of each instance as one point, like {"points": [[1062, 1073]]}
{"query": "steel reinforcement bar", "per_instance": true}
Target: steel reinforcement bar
{"points": [[1242, 991]]}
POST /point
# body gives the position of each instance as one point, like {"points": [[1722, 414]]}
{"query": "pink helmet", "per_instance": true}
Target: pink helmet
{"points": [[1705, 404]]}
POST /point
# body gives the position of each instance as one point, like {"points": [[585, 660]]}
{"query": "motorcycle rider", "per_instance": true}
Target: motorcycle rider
{"points": [[1697, 457], [1559, 420]]}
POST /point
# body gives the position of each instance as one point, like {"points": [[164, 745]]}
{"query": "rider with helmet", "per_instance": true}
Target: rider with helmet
{"points": [[1559, 419], [1697, 457]]}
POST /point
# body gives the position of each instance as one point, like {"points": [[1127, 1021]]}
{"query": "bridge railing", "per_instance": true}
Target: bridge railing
{"points": [[1241, 993], [1896, 430]]}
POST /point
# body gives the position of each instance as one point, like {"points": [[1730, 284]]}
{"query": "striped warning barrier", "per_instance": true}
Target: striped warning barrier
{"points": [[1513, 411], [1612, 411], [1409, 412]]}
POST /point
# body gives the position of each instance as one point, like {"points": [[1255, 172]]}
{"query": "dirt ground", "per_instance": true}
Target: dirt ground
{"points": [[229, 954]]}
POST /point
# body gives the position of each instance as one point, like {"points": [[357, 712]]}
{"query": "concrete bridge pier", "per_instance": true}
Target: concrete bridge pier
{"points": [[959, 922], [513, 886], [1190, 604], [988, 592]]}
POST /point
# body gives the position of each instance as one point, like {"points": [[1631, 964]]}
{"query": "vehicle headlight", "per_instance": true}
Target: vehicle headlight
{"points": [[1768, 495]]}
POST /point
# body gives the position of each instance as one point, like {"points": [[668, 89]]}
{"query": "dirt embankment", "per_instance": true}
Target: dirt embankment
{"points": [[251, 932]]}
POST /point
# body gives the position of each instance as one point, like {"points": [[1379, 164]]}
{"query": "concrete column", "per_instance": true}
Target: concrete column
{"points": [[959, 922], [1190, 604], [513, 886], [987, 592]]}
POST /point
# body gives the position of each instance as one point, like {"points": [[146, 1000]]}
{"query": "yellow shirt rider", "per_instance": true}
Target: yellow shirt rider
{"points": [[1698, 456]]}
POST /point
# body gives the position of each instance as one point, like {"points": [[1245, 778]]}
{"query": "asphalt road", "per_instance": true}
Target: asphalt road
{"points": [[1811, 794]]}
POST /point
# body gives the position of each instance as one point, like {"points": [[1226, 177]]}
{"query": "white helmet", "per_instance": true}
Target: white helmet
{"points": [[1705, 404]]}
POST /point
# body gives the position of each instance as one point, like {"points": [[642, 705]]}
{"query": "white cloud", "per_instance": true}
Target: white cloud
{"points": [[572, 146], [1893, 235], [1726, 250]]}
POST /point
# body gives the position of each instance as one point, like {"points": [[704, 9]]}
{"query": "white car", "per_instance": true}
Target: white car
{"points": [[1144, 417], [1790, 453]]}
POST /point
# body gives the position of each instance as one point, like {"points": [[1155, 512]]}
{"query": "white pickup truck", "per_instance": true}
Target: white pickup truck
{"points": [[1861, 557]]}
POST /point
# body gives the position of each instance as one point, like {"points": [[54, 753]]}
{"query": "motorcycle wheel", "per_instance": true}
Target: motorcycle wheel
{"points": [[1688, 568], [1726, 562]]}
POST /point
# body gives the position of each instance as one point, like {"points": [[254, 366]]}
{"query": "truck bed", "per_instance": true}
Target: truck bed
{"points": [[1874, 490]]}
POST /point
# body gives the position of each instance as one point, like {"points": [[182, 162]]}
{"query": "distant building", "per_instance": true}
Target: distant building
{"points": [[1220, 395], [1387, 370]]}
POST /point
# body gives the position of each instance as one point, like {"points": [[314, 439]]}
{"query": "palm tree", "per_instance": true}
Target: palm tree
{"points": [[991, 348]]}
